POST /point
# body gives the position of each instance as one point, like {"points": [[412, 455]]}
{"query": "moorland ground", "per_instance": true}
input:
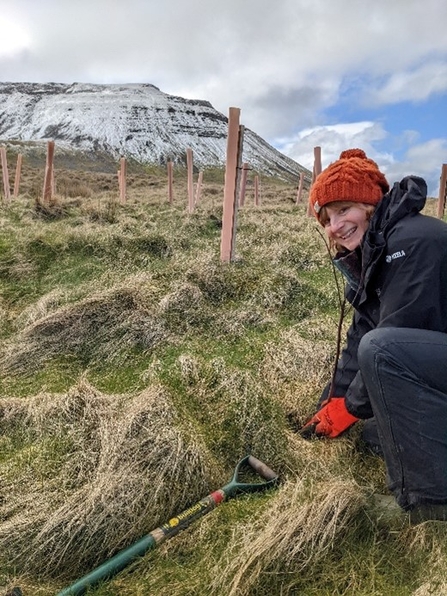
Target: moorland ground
{"points": [[136, 369]]}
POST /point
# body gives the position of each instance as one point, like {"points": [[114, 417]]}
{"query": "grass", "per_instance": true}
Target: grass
{"points": [[136, 370]]}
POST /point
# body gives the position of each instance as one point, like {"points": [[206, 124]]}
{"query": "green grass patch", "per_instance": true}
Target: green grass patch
{"points": [[136, 369]]}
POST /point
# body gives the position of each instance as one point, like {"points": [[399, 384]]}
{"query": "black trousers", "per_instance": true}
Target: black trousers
{"points": [[405, 373]]}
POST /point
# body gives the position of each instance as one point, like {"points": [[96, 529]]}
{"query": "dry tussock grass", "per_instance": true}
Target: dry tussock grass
{"points": [[141, 283], [299, 529], [295, 358], [102, 210], [236, 408], [429, 538], [183, 306], [129, 465], [283, 237], [221, 283], [257, 293], [102, 326], [296, 369], [105, 319], [38, 310]]}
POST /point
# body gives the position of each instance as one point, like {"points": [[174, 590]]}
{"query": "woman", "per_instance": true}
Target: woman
{"points": [[393, 369]]}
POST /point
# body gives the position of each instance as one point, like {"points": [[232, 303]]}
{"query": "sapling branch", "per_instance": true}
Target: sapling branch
{"points": [[343, 311]]}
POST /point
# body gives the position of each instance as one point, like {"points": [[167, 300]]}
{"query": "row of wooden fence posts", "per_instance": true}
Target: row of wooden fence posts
{"points": [[194, 195], [235, 185], [48, 190], [5, 175], [234, 156], [243, 186]]}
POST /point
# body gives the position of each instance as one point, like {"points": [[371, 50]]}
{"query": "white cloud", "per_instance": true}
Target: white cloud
{"points": [[14, 38], [237, 52], [422, 160], [333, 140], [413, 85]]}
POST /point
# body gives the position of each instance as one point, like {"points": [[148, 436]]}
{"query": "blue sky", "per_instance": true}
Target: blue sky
{"points": [[333, 73]]}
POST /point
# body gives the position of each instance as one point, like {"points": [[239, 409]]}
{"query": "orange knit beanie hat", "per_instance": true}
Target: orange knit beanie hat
{"points": [[353, 177]]}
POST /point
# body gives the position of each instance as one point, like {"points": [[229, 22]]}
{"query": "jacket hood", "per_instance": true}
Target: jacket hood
{"points": [[407, 196]]}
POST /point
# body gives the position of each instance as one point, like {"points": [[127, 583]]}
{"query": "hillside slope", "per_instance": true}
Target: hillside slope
{"points": [[135, 120]]}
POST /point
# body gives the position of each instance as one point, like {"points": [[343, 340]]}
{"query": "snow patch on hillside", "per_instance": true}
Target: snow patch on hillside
{"points": [[132, 120]]}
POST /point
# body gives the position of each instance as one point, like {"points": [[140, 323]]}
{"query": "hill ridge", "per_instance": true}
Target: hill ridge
{"points": [[138, 121]]}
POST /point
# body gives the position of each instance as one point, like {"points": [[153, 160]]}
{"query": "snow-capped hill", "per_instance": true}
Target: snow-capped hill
{"points": [[132, 120]]}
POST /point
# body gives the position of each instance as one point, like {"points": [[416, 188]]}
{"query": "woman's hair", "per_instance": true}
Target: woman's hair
{"points": [[323, 217]]}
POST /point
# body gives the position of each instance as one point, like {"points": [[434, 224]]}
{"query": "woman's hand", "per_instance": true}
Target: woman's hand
{"points": [[330, 421]]}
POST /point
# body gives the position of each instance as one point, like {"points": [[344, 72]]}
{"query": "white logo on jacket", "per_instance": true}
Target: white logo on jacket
{"points": [[395, 255]]}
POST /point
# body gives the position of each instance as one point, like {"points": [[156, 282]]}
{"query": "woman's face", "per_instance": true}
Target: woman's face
{"points": [[346, 223]]}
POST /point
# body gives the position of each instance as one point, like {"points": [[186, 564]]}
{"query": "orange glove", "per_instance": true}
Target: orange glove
{"points": [[330, 421]]}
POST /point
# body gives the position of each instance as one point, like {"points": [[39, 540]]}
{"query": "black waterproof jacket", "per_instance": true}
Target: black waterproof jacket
{"points": [[397, 278]]}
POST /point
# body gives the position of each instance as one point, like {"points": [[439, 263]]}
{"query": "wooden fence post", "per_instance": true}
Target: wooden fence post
{"points": [[317, 161], [170, 182], [5, 174], [48, 187], [256, 200], [199, 188], [442, 191], [299, 193], [243, 184], [17, 176], [309, 208], [189, 166], [232, 179], [315, 172], [122, 178]]}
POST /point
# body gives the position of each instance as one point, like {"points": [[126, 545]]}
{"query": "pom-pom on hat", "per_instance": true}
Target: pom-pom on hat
{"points": [[353, 177]]}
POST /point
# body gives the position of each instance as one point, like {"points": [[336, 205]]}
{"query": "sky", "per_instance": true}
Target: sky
{"points": [[336, 74]]}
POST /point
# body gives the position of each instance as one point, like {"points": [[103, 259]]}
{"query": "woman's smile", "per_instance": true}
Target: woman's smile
{"points": [[346, 224]]}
